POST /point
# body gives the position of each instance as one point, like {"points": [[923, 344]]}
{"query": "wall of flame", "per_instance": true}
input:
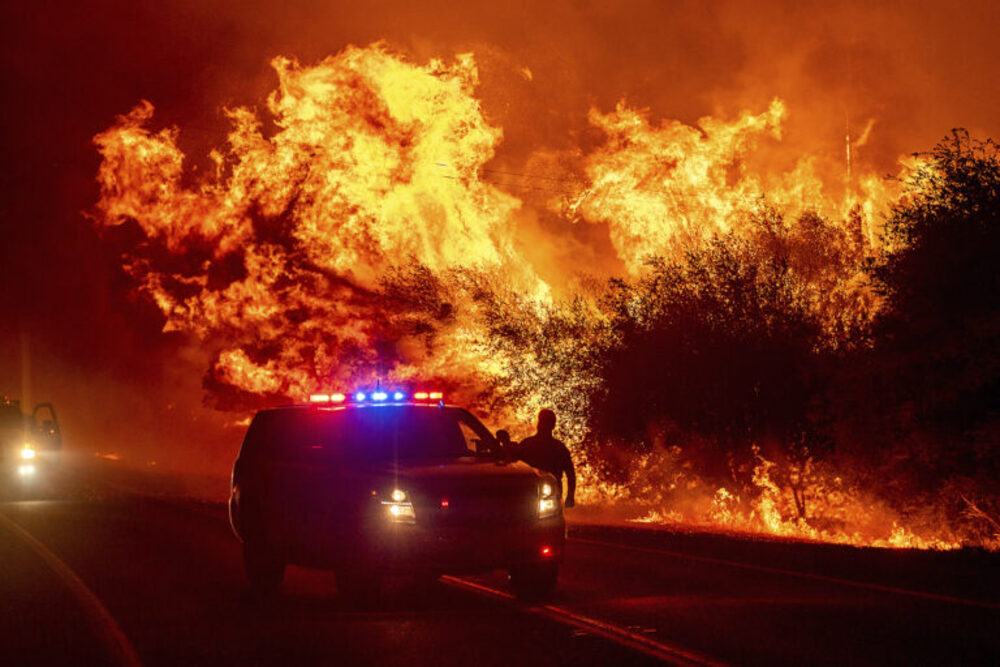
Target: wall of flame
{"points": [[370, 174], [367, 161]]}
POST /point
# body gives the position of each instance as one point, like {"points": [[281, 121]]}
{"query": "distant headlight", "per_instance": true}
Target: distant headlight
{"points": [[26, 470], [28, 452], [401, 512], [548, 503], [400, 509]]}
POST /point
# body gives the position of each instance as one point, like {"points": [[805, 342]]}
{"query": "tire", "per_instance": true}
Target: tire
{"points": [[534, 580], [265, 569]]}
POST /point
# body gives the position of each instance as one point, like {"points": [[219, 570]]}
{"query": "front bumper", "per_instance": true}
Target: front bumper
{"points": [[463, 549]]}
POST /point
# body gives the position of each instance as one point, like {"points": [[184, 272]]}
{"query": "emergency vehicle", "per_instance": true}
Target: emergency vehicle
{"points": [[29, 444], [378, 481]]}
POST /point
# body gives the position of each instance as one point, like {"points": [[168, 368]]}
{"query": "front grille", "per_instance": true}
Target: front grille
{"points": [[478, 507]]}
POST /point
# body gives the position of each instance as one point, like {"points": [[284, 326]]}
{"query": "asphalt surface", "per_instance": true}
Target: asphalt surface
{"points": [[168, 573]]}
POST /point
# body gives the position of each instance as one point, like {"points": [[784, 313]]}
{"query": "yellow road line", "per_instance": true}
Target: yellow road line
{"points": [[668, 653]]}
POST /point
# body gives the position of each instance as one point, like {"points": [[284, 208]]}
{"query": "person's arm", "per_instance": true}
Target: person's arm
{"points": [[570, 478]]}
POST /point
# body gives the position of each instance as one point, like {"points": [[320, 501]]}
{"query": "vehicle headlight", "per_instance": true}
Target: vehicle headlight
{"points": [[400, 509], [548, 502], [26, 470], [28, 452]]}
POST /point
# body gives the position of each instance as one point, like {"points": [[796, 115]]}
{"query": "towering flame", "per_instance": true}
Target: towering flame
{"points": [[284, 243], [661, 188], [657, 187]]}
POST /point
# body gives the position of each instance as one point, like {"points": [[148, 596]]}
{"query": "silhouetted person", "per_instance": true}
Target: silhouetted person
{"points": [[544, 452]]}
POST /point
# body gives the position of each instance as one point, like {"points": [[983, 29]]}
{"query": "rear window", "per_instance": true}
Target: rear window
{"points": [[375, 434]]}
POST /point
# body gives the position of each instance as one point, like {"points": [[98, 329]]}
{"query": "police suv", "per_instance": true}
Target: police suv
{"points": [[377, 482]]}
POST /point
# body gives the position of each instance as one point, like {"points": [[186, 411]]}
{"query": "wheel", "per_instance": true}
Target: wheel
{"points": [[534, 580], [265, 569]]}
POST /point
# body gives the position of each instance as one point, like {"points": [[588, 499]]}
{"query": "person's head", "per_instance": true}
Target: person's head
{"points": [[546, 421], [503, 437]]}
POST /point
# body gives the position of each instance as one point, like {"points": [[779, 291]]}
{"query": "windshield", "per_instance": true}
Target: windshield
{"points": [[373, 434], [382, 433]]}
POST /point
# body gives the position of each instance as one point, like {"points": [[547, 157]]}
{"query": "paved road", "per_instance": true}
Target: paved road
{"points": [[167, 573]]}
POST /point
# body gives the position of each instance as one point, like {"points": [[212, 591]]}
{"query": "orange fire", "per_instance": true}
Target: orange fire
{"points": [[839, 513], [276, 260], [294, 229], [661, 187]]}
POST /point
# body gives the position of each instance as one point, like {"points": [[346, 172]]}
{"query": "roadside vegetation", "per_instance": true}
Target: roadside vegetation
{"points": [[794, 358]]}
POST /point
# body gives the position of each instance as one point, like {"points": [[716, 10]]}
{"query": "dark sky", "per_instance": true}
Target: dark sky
{"points": [[918, 68]]}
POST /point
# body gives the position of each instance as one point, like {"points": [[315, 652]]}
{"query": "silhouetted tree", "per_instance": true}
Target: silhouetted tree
{"points": [[720, 344], [939, 335]]}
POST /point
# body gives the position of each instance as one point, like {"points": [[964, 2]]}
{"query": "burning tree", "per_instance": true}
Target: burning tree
{"points": [[929, 400]]}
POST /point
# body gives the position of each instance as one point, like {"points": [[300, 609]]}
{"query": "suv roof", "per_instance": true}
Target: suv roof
{"points": [[396, 432]]}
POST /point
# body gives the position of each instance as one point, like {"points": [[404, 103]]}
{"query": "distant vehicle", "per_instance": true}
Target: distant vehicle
{"points": [[28, 443], [389, 482]]}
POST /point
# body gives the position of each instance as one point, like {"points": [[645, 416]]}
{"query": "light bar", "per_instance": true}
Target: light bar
{"points": [[378, 396]]}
